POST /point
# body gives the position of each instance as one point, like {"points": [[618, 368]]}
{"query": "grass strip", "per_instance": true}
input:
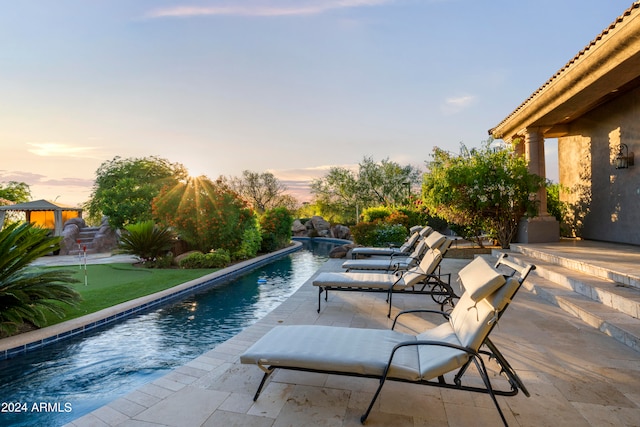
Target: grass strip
{"points": [[112, 284]]}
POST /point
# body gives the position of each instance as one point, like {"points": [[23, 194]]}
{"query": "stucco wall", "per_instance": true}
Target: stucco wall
{"points": [[605, 201]]}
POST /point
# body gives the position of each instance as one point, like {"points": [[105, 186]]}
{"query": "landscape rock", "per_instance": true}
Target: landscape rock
{"points": [[341, 232], [320, 225], [70, 234], [341, 251], [106, 238], [298, 229]]}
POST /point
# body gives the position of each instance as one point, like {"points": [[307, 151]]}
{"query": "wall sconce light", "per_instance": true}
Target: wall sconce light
{"points": [[623, 159]]}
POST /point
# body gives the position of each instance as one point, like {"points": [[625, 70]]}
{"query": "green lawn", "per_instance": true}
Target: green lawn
{"points": [[112, 284]]}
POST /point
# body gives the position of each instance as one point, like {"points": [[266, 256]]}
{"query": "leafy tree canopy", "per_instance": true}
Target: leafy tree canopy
{"points": [[14, 191], [206, 214], [124, 188], [483, 189], [263, 190], [342, 191]]}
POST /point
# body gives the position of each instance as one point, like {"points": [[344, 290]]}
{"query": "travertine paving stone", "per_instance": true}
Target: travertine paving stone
{"points": [[577, 376]]}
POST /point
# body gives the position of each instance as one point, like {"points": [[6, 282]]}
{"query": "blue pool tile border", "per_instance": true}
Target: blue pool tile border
{"points": [[221, 277]]}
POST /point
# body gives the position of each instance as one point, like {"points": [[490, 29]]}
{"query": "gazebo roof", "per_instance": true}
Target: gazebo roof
{"points": [[38, 205]]}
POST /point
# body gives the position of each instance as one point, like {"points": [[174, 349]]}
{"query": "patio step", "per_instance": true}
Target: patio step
{"points": [[607, 305]]}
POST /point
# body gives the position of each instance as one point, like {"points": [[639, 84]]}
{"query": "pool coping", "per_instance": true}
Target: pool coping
{"points": [[20, 344]]}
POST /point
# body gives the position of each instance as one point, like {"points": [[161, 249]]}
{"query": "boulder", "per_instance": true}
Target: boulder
{"points": [[341, 251], [341, 232], [106, 238], [298, 229], [320, 225], [75, 221], [70, 234]]}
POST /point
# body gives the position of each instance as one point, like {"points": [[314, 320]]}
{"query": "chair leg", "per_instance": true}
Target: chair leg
{"points": [[266, 375], [364, 416], [506, 367], [485, 378]]}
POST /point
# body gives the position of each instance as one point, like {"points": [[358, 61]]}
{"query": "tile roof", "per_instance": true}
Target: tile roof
{"points": [[595, 41]]}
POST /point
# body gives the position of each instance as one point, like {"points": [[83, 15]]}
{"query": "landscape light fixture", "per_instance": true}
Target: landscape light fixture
{"points": [[623, 159]]}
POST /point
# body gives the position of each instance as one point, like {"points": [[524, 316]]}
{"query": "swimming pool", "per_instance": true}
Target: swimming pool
{"points": [[73, 377]]}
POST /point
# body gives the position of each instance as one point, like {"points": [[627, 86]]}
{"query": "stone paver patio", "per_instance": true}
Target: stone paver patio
{"points": [[576, 375]]}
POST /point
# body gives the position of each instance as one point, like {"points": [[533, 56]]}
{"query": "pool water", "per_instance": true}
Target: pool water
{"points": [[58, 383]]}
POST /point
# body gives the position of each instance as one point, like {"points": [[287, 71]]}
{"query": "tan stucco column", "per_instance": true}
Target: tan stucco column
{"points": [[534, 153], [544, 227]]}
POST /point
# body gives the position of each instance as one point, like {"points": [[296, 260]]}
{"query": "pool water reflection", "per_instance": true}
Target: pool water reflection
{"points": [[89, 371]]}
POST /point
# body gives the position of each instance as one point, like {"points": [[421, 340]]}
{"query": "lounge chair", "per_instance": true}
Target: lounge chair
{"points": [[390, 355], [393, 263], [404, 250], [425, 278]]}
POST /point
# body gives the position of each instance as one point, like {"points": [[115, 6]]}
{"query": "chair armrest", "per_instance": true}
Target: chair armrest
{"points": [[418, 310]]}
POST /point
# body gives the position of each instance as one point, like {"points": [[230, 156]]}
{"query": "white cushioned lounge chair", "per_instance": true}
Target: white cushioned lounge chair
{"points": [[434, 240], [425, 278], [404, 250], [450, 347]]}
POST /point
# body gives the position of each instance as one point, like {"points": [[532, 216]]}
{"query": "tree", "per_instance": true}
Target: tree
{"points": [[387, 183], [15, 192], [263, 190], [208, 215], [342, 192], [482, 189], [124, 188], [27, 292], [337, 195]]}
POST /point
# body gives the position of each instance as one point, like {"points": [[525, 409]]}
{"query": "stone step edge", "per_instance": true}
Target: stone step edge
{"points": [[607, 320], [603, 291], [583, 267]]}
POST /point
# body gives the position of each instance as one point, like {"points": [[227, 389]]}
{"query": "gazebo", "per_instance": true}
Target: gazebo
{"points": [[43, 213]]}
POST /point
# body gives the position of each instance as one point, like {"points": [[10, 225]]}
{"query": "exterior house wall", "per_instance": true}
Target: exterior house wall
{"points": [[605, 202]]}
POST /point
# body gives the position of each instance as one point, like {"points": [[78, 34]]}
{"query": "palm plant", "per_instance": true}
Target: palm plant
{"points": [[26, 293], [146, 240]]}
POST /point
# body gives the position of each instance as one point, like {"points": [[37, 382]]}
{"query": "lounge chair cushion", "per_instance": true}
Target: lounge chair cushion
{"points": [[382, 281], [335, 349], [480, 279], [437, 360], [435, 239]]}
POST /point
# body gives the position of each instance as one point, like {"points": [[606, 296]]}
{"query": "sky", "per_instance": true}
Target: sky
{"points": [[290, 87]]}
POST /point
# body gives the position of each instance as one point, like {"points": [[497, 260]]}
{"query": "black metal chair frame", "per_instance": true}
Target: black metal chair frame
{"points": [[492, 352]]}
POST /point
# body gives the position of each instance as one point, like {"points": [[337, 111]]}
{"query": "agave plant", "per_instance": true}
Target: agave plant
{"points": [[26, 293], [146, 240]]}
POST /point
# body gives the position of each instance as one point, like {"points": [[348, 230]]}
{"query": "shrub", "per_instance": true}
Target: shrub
{"points": [[165, 261], [378, 234], [146, 240], [251, 243], [27, 293], [376, 213], [215, 259], [275, 226]]}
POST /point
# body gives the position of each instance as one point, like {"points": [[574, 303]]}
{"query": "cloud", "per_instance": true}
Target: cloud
{"points": [[39, 179], [454, 105], [50, 149], [264, 9]]}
